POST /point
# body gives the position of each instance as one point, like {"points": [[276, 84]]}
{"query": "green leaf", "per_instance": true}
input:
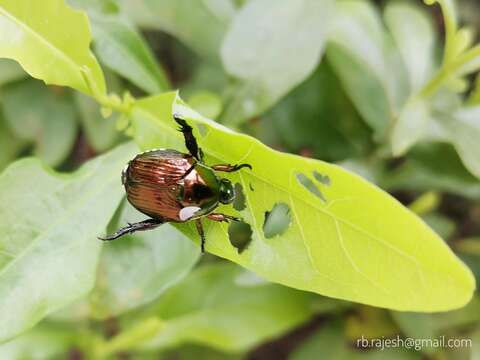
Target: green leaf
{"points": [[476, 345], [34, 34], [459, 58], [120, 47], [414, 35], [344, 246], [411, 126], [469, 246], [10, 145], [418, 326], [199, 24], [210, 307], [463, 131], [42, 116], [428, 326], [106, 7], [331, 343], [367, 63], [10, 71], [424, 170], [189, 352], [49, 224], [206, 77], [100, 132], [255, 51], [443, 225], [449, 13], [302, 121], [137, 269], [207, 103], [43, 342]]}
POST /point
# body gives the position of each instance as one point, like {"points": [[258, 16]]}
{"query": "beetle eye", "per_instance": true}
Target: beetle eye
{"points": [[227, 194]]}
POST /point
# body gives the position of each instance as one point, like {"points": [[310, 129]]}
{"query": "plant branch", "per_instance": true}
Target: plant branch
{"points": [[109, 101], [448, 70], [130, 338]]}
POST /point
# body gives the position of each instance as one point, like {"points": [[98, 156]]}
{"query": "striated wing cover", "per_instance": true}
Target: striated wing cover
{"points": [[151, 182]]}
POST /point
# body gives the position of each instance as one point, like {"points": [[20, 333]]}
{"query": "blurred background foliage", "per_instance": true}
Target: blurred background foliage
{"points": [[338, 108]]}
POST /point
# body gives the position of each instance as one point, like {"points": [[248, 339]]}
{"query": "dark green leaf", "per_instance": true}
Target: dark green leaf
{"points": [[199, 24], [100, 132], [433, 167], [10, 71], [10, 145], [120, 47], [317, 117], [331, 343], [42, 116], [463, 130]]}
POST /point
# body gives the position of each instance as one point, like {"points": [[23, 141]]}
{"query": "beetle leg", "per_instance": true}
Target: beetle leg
{"points": [[230, 168], [131, 228], [198, 223], [222, 217], [190, 141], [190, 169], [174, 181]]}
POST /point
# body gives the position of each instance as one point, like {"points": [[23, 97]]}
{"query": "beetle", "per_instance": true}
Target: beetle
{"points": [[170, 186]]}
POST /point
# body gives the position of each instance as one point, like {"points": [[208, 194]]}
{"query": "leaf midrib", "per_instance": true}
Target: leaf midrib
{"points": [[302, 200]]}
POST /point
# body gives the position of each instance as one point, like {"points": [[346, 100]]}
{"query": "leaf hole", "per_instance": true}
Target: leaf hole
{"points": [[310, 186], [277, 220], [239, 203], [240, 235], [322, 179]]}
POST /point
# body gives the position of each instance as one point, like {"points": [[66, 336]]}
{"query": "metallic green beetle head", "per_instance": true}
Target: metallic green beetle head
{"points": [[226, 191]]}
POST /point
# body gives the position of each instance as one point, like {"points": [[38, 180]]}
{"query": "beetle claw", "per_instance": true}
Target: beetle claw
{"points": [[232, 218], [240, 166]]}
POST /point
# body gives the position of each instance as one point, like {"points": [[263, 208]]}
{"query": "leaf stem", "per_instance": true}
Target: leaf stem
{"points": [[115, 103], [109, 101], [426, 203], [447, 70], [130, 338], [450, 30], [474, 98]]}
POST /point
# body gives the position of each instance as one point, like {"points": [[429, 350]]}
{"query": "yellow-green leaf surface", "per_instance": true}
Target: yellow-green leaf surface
{"points": [[34, 34], [49, 225], [347, 238]]}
